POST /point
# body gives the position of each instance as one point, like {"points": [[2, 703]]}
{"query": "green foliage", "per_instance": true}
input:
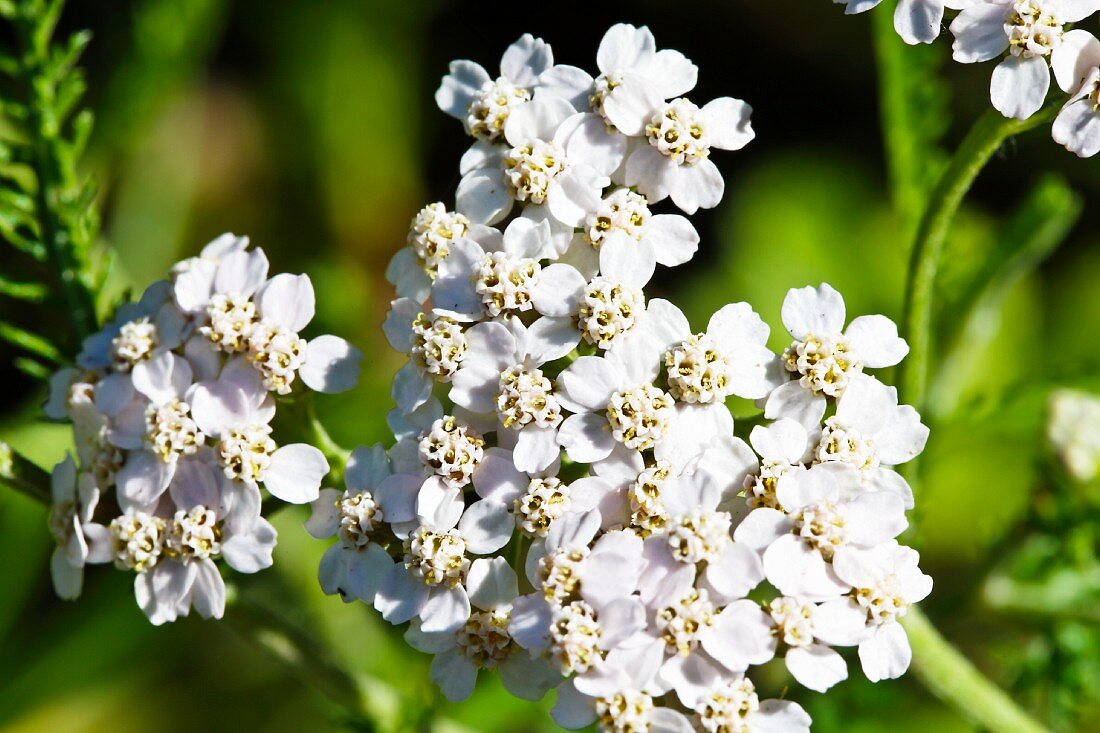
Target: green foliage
{"points": [[47, 210]]}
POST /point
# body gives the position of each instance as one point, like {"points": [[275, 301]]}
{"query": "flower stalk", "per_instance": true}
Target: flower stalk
{"points": [[979, 145], [951, 677]]}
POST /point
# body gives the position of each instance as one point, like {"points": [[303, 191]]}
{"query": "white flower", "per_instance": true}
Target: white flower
{"points": [[870, 431], [1033, 32], [476, 283], [885, 580], [673, 159], [782, 448], [502, 375], [732, 706], [1077, 70], [235, 411], [822, 510], [137, 332], [916, 21], [156, 426], [825, 356], [1073, 428], [483, 641], [634, 78], [429, 582], [356, 516], [432, 232], [614, 401], [244, 312], [484, 104], [74, 497], [626, 235], [209, 517], [535, 169]]}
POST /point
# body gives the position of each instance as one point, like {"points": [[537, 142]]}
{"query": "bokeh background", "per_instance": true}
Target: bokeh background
{"points": [[311, 127]]}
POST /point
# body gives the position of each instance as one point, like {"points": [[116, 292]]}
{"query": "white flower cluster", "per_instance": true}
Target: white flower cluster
{"points": [[566, 500], [171, 405], [1073, 429], [1032, 38]]}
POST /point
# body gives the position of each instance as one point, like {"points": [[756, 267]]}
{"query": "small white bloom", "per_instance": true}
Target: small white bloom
{"points": [[1073, 428], [535, 169], [235, 411], [357, 516], [732, 706], [916, 21], [825, 356], [484, 104], [673, 159], [74, 497], [1032, 31]]}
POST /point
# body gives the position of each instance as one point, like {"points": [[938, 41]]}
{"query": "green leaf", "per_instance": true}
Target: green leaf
{"points": [[31, 342], [34, 292]]}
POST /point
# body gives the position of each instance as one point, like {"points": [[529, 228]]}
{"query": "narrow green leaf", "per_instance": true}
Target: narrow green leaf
{"points": [[33, 292], [31, 342], [32, 368]]}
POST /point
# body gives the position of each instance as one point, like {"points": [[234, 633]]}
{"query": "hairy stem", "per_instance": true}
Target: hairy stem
{"points": [[20, 474], [952, 678], [983, 140]]}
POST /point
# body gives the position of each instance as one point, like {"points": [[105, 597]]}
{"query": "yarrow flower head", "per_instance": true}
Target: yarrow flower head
{"points": [[171, 406], [551, 420]]}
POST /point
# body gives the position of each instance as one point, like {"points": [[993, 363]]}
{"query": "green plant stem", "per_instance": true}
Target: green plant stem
{"points": [[952, 678], [20, 474], [979, 145], [294, 649]]}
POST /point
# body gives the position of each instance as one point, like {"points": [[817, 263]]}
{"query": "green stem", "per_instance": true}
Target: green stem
{"points": [[20, 474], [952, 678], [979, 145], [294, 649]]}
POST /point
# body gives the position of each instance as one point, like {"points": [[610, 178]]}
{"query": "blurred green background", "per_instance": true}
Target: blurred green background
{"points": [[310, 126]]}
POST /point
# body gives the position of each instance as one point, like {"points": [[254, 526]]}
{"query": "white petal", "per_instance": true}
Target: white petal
{"points": [[624, 260], [486, 526], [1077, 126], [727, 123], [698, 186], [143, 478], [400, 597], [672, 237], [483, 196], [812, 310], [575, 192], [794, 401], [446, 609], [551, 338], [918, 21], [630, 105], [491, 583], [459, 86], [590, 141], [1019, 86], [536, 448], [840, 622], [162, 378], [816, 666], [797, 570], [332, 365], [624, 47], [586, 437], [407, 276], [761, 528], [497, 477], [588, 384], [887, 654], [295, 473], [1074, 58], [288, 300], [525, 60], [979, 32]]}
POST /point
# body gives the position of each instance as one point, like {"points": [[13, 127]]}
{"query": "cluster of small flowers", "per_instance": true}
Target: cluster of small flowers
{"points": [[1073, 428], [1031, 39], [171, 405], [566, 501]]}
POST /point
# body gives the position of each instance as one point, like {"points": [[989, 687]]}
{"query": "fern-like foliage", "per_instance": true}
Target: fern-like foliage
{"points": [[48, 218]]}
